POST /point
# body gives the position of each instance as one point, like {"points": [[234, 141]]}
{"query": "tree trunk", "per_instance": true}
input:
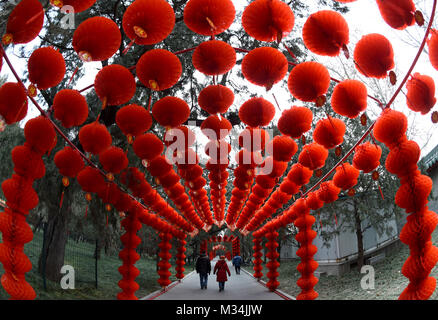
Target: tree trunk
{"points": [[55, 239], [359, 235]]}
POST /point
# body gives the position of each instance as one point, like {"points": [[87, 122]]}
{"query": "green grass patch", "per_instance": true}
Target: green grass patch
{"points": [[81, 256]]}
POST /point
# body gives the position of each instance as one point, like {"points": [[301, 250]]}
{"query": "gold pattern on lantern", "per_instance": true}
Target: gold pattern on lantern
{"points": [[7, 39], [140, 32], [65, 182], [32, 91], [85, 56]]}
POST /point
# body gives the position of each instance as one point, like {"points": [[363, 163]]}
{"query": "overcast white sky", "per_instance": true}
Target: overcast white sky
{"points": [[363, 18]]}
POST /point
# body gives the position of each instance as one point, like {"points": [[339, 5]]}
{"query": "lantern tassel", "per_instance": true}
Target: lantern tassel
{"points": [[62, 199], [72, 76]]}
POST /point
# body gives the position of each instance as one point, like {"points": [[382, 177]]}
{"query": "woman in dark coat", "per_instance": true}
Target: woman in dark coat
{"points": [[221, 269]]}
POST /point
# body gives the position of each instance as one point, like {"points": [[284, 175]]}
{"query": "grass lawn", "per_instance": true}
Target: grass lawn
{"points": [[80, 256], [389, 282]]}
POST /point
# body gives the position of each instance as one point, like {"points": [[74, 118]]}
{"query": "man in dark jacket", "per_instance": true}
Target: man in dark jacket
{"points": [[237, 261], [203, 267]]}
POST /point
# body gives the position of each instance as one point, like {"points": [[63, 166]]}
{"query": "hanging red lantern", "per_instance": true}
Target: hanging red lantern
{"points": [[70, 107], [28, 163], [216, 99], [95, 138], [421, 93], [295, 121], [432, 43], [214, 57], [308, 81], [209, 17], [133, 120], [268, 20], [282, 148], [19, 194], [299, 174], [46, 68], [313, 156], [367, 157], [398, 14], [326, 33], [69, 162], [97, 39], [159, 69], [346, 176], [170, 112], [13, 102], [264, 67], [329, 132], [78, 5], [253, 139], [328, 192], [349, 98], [413, 195], [313, 201], [403, 158], [374, 56], [159, 166], [90, 180], [390, 127], [257, 112], [216, 128], [179, 138], [148, 146], [113, 160], [148, 22], [24, 23], [114, 85], [40, 135]]}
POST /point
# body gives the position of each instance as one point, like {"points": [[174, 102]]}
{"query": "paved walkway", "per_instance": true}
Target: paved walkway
{"points": [[238, 287]]}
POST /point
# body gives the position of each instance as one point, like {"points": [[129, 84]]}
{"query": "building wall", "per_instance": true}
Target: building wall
{"points": [[433, 204]]}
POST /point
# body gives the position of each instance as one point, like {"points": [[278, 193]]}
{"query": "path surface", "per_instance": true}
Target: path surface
{"points": [[238, 287]]}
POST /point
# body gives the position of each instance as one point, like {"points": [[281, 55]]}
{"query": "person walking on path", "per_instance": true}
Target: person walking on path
{"points": [[221, 269], [203, 267], [237, 261]]}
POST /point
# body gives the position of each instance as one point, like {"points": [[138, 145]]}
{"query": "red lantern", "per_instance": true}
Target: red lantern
{"points": [[295, 121], [19, 194], [282, 148], [328, 192], [113, 160], [421, 93], [253, 139], [209, 17], [214, 57], [13, 102], [216, 128], [390, 127], [114, 85], [399, 14], [308, 81], [367, 157], [159, 69], [257, 112], [78, 5], [40, 135], [313, 156], [90, 180], [97, 39], [170, 111], [148, 146], [46, 68], [69, 162], [349, 98], [329, 132], [325, 33], [374, 56], [403, 159], [70, 107], [133, 120], [25, 22], [264, 67], [299, 174], [268, 20], [28, 163], [148, 22], [216, 99], [433, 48], [95, 138], [346, 176]]}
